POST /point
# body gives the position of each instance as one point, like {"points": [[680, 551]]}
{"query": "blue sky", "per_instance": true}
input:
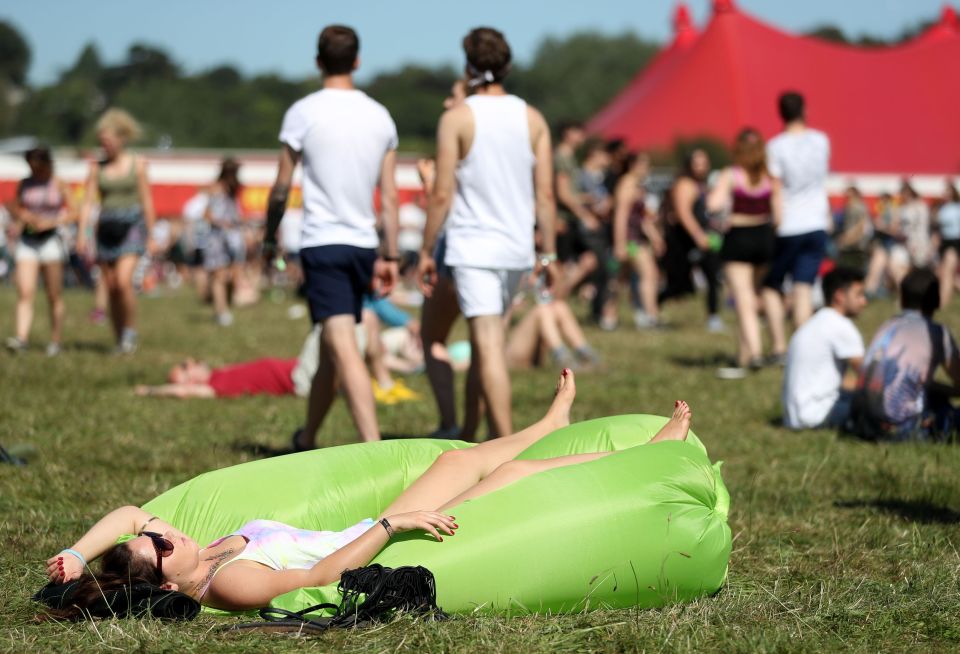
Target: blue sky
{"points": [[279, 35]]}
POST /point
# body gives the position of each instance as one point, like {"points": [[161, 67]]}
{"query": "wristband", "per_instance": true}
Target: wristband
{"points": [[393, 259], [386, 525], [547, 259], [76, 554]]}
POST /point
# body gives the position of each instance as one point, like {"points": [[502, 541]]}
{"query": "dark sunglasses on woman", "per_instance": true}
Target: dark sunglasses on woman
{"points": [[163, 547]]}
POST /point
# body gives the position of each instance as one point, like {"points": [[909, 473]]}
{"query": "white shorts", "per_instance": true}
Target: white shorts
{"points": [[49, 250], [486, 291]]}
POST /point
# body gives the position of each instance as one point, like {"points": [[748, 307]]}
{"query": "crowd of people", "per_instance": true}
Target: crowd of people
{"points": [[514, 228], [760, 229]]}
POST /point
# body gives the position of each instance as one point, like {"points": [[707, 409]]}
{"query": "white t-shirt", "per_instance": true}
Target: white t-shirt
{"points": [[816, 361], [343, 136], [801, 160]]}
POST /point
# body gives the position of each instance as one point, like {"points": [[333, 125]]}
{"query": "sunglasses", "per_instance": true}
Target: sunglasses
{"points": [[163, 547]]}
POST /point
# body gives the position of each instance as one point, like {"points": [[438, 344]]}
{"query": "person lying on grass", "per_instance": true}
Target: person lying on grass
{"points": [[264, 559]]}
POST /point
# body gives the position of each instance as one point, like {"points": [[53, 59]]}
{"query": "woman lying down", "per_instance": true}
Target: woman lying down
{"points": [[264, 559]]}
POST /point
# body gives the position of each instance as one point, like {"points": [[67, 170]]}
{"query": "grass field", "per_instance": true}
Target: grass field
{"points": [[838, 545]]}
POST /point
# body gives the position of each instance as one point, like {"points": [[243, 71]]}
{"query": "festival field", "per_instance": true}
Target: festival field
{"points": [[838, 545]]}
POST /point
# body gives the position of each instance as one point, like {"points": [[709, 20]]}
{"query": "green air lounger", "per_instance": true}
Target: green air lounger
{"points": [[646, 526]]}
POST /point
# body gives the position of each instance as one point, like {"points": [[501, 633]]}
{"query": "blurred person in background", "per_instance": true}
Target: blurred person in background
{"points": [[948, 228], [126, 219], [347, 143], [747, 193], [852, 239], [495, 180], [578, 260], [691, 239], [898, 396], [815, 392], [224, 252], [41, 207], [594, 233], [799, 161], [917, 249], [637, 241], [886, 236]]}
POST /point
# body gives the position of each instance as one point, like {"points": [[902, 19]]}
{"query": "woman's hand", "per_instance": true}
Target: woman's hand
{"points": [[431, 522], [64, 567]]}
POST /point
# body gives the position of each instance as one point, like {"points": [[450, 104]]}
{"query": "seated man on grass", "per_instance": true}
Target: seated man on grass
{"points": [[897, 396], [820, 352]]}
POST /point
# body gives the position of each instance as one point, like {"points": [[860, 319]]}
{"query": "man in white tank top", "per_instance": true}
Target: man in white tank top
{"points": [[348, 145], [494, 178]]}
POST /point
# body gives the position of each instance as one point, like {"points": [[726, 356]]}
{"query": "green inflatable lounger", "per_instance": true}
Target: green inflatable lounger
{"points": [[646, 526]]}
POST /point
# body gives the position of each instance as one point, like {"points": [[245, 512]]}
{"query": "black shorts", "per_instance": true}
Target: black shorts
{"points": [[949, 244], [336, 277], [755, 245]]}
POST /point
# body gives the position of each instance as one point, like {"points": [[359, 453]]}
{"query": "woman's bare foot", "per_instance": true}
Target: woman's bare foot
{"points": [[558, 415], [677, 427]]}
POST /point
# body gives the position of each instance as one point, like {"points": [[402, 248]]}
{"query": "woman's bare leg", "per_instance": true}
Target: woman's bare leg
{"points": [[53, 281], [676, 429], [25, 275], [569, 327], [457, 470], [646, 266], [522, 341], [740, 277]]}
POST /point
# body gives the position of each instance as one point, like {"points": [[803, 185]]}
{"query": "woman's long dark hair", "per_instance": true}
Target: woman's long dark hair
{"points": [[118, 568], [230, 176]]}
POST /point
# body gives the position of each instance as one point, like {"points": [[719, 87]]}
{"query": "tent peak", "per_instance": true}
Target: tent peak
{"points": [[723, 6], [684, 31], [948, 17]]}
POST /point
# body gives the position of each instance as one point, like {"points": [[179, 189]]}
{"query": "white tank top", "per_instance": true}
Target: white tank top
{"points": [[492, 217]]}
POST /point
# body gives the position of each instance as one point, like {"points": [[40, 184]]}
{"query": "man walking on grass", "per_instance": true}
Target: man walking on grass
{"points": [[347, 142], [494, 176]]}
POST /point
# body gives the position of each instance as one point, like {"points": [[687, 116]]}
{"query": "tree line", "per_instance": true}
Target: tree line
{"points": [[569, 78]]}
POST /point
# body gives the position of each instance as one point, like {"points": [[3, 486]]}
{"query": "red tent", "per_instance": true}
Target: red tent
{"points": [[887, 110]]}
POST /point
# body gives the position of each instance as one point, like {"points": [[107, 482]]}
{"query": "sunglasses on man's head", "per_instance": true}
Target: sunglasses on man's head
{"points": [[163, 547]]}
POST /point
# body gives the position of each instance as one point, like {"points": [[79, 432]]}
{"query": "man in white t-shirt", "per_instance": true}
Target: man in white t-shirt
{"points": [[348, 145], [492, 197], [799, 160], [820, 353]]}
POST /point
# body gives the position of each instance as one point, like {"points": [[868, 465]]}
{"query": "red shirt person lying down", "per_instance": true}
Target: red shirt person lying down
{"points": [[197, 379]]}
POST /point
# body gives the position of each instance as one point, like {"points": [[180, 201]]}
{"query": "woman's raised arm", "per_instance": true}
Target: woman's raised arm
{"points": [[66, 565]]}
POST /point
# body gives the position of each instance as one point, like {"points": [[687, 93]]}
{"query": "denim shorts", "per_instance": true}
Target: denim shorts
{"points": [[798, 256]]}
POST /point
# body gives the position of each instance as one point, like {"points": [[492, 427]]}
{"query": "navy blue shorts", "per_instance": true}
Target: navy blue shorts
{"points": [[798, 256], [336, 277]]}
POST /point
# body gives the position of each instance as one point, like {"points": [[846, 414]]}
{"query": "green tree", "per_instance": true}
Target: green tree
{"points": [[14, 55], [572, 78]]}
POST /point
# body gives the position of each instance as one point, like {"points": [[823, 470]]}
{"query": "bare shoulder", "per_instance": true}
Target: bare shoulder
{"points": [[535, 118], [458, 116]]}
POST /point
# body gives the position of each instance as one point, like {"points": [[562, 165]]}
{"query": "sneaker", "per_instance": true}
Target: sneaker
{"points": [[643, 320], [561, 358], [383, 396], [15, 345], [608, 324], [715, 324], [756, 363], [128, 342], [448, 433], [225, 319], [732, 372], [53, 349], [587, 357], [776, 359], [403, 393]]}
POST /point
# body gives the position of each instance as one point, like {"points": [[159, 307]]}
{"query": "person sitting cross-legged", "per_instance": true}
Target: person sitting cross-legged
{"points": [[897, 396]]}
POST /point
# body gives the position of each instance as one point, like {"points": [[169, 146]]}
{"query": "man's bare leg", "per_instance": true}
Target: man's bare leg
{"points": [[487, 339], [676, 429], [773, 307], [323, 391], [440, 311], [457, 470], [340, 334]]}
